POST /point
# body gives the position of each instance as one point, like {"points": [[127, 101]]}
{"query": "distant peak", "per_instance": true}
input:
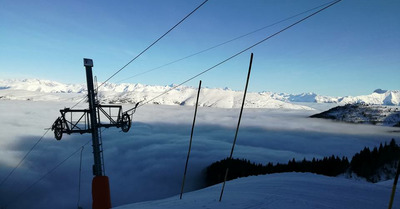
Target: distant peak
{"points": [[380, 91]]}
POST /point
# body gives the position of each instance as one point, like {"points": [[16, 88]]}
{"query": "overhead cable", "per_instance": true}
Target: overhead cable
{"points": [[137, 56], [81, 100], [26, 155], [226, 42], [237, 54], [45, 175], [154, 42]]}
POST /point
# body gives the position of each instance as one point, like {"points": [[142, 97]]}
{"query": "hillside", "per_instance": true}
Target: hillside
{"points": [[363, 113], [286, 190]]}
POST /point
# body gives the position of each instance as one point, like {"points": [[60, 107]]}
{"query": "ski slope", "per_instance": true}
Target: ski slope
{"points": [[285, 190]]}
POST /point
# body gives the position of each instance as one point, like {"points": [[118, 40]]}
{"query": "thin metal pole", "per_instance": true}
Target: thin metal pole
{"points": [[98, 165], [79, 184], [237, 128], [394, 186], [191, 137]]}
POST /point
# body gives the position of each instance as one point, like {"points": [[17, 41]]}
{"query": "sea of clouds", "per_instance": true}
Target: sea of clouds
{"points": [[147, 163]]}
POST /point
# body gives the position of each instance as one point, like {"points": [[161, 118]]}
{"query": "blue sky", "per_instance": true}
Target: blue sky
{"points": [[350, 49]]}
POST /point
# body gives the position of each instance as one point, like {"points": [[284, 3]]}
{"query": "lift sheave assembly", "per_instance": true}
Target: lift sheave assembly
{"points": [[78, 120]]}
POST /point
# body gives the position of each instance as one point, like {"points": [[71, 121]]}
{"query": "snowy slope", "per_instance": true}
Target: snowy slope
{"points": [[286, 190]]}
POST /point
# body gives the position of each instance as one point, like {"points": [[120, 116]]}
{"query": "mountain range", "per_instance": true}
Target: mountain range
{"points": [[44, 90]]}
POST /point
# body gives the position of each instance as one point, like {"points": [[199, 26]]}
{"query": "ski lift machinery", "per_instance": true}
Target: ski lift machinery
{"points": [[79, 120], [91, 121]]}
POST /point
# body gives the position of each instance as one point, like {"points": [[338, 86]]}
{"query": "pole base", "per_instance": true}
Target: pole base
{"points": [[101, 193]]}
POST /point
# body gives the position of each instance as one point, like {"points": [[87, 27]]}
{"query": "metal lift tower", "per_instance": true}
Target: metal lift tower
{"points": [[90, 121]]}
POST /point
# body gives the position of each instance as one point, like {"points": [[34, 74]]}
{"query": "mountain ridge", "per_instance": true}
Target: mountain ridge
{"points": [[364, 114], [185, 95]]}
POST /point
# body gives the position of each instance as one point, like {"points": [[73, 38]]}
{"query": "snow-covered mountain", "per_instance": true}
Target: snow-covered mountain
{"points": [[44, 86], [378, 97], [363, 113], [304, 97], [39, 90], [42, 90]]}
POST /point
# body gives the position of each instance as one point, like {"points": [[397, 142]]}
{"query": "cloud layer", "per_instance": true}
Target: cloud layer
{"points": [[148, 162]]}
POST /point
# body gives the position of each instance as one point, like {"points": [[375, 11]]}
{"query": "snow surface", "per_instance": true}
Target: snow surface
{"points": [[286, 190]]}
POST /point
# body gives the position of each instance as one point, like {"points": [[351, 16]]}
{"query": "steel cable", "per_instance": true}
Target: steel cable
{"points": [[26, 155], [143, 102], [226, 42], [45, 175], [154, 42]]}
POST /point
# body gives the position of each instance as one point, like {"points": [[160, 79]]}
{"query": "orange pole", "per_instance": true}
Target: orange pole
{"points": [[101, 193]]}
